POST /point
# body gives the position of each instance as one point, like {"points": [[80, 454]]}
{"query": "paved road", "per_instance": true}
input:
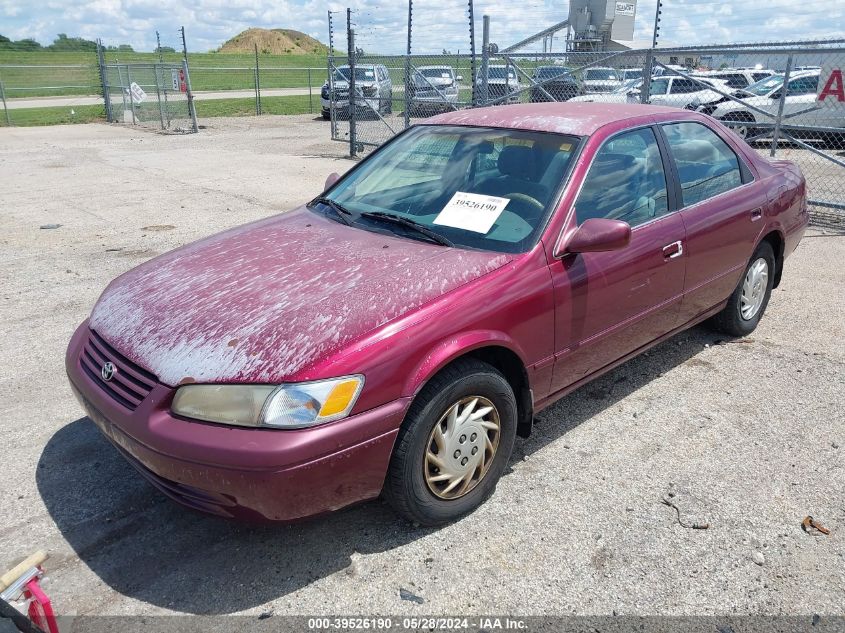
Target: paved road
{"points": [[69, 102]]}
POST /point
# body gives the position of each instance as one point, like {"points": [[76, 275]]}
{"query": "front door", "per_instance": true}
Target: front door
{"points": [[610, 304]]}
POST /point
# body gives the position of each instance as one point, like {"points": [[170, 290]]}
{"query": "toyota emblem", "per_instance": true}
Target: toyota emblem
{"points": [[108, 371]]}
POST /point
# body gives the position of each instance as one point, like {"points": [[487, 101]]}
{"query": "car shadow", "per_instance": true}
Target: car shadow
{"points": [[148, 548]]}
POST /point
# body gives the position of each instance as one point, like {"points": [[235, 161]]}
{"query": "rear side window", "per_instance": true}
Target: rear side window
{"points": [[626, 181], [706, 165], [685, 86]]}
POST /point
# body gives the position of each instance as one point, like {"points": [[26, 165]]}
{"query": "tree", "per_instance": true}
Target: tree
{"points": [[165, 49], [65, 43]]}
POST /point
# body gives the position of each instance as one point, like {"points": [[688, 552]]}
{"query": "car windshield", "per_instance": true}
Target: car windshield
{"points": [[500, 72], [548, 72], [482, 188], [765, 86], [600, 74], [361, 74]]}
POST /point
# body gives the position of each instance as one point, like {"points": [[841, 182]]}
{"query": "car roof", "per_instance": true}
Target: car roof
{"points": [[580, 119], [434, 67]]}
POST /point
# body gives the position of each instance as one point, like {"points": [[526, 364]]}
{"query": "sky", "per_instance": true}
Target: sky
{"points": [[381, 25]]}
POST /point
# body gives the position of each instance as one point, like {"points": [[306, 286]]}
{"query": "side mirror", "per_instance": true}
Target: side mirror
{"points": [[332, 178], [597, 235]]}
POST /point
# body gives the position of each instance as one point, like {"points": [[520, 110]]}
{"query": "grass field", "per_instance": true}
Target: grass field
{"points": [[27, 117], [63, 74]]}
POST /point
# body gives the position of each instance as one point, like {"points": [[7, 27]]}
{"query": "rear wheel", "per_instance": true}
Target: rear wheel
{"points": [[454, 444], [748, 302]]}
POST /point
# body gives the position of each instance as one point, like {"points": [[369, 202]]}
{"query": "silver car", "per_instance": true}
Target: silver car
{"points": [[373, 87], [433, 88]]}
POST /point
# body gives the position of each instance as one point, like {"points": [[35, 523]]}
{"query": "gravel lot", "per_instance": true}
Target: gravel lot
{"points": [[749, 436]]}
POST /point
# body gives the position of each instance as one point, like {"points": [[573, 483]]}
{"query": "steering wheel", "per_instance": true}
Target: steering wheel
{"points": [[522, 197]]}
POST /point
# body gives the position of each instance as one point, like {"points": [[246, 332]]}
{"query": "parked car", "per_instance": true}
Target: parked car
{"points": [[397, 332], [626, 74], [501, 81], [670, 90], [434, 88], [738, 78], [557, 82], [372, 85], [765, 95], [599, 79]]}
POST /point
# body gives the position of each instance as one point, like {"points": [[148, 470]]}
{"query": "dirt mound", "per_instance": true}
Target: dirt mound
{"points": [[273, 42]]}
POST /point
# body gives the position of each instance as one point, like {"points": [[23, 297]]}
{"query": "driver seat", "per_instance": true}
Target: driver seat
{"points": [[521, 169]]}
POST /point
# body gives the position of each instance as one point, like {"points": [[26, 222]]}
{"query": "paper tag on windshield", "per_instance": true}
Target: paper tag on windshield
{"points": [[471, 212]]}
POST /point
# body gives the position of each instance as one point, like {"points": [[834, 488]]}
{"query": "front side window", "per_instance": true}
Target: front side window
{"points": [[626, 181], [803, 86], [706, 165], [685, 86], [436, 176], [659, 86]]}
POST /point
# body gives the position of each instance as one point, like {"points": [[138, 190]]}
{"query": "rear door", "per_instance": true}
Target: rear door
{"points": [[610, 304], [722, 209]]}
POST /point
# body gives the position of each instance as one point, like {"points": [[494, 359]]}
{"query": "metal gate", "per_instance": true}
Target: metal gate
{"points": [[152, 95]]}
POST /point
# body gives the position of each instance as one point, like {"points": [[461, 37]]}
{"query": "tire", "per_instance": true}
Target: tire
{"points": [[407, 487], [732, 319], [327, 115], [743, 131]]}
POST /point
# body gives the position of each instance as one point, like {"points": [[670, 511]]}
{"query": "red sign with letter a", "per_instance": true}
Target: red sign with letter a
{"points": [[831, 86]]}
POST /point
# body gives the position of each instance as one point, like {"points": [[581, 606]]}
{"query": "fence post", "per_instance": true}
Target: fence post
{"points": [[645, 89], [781, 102], [104, 82], [353, 106], [5, 108], [159, 80], [310, 106], [191, 108], [257, 82], [131, 98], [485, 59], [408, 82], [472, 51]]}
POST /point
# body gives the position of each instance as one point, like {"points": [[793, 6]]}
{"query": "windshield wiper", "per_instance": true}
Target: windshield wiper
{"points": [[340, 211], [408, 223]]}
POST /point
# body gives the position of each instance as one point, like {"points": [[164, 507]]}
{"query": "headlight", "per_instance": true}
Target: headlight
{"points": [[291, 406]]}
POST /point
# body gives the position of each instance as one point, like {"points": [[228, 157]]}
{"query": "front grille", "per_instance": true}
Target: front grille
{"points": [[129, 385]]}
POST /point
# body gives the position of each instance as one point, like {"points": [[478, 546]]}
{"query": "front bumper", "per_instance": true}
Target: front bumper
{"points": [[258, 474]]}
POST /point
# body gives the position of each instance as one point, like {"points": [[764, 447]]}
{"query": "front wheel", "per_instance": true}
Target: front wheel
{"points": [[454, 444], [741, 123], [748, 302]]}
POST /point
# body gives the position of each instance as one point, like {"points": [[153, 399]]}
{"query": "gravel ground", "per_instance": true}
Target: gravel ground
{"points": [[746, 436]]}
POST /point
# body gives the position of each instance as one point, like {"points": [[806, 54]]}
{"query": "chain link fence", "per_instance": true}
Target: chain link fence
{"points": [[786, 102], [151, 95]]}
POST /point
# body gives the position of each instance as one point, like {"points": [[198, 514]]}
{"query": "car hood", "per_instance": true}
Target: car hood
{"points": [[262, 302]]}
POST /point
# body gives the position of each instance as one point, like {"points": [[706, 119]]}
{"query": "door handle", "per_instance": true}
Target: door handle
{"points": [[673, 250], [756, 214]]}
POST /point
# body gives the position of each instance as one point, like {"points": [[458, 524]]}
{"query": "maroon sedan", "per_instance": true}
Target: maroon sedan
{"points": [[395, 334]]}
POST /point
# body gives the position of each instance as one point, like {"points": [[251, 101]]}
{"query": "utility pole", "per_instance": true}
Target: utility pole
{"points": [[158, 47]]}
